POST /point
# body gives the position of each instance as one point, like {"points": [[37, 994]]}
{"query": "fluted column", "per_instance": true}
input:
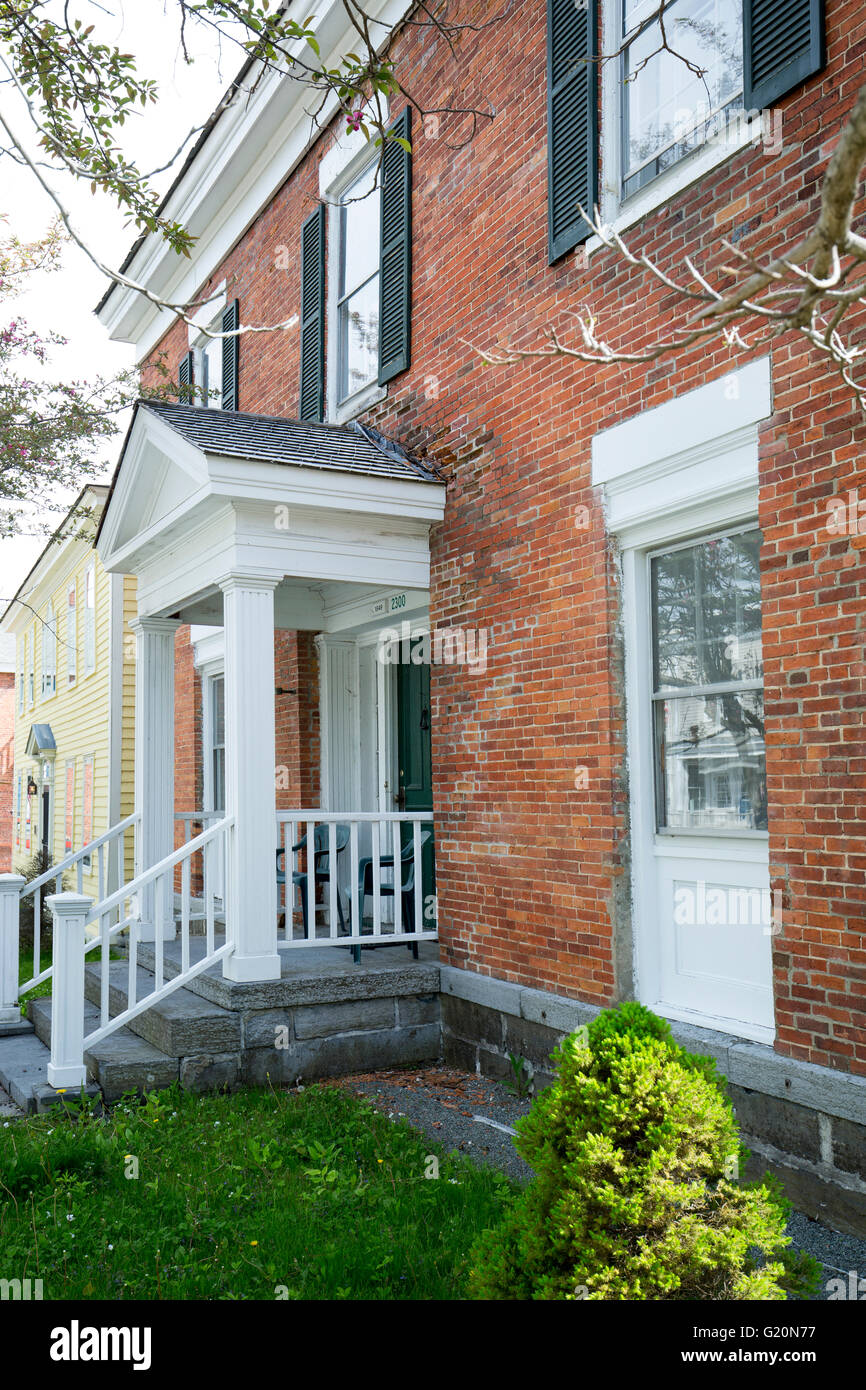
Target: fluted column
{"points": [[251, 888]]}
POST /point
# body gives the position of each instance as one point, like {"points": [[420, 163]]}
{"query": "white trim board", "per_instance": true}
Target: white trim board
{"points": [[258, 139]]}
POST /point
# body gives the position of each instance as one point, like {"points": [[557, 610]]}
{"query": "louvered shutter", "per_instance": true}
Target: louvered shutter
{"points": [[783, 44], [231, 321], [186, 377], [572, 121], [312, 405], [395, 278]]}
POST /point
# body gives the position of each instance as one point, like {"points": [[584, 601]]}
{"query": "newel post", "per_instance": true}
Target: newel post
{"points": [[66, 1068], [10, 899]]}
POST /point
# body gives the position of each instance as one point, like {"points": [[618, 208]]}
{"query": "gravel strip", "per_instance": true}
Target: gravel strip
{"points": [[442, 1103]]}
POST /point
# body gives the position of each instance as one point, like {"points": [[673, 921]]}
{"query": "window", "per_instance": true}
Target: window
{"points": [[18, 803], [89, 619], [69, 808], [71, 636], [87, 809], [218, 726], [49, 652], [708, 698], [208, 367], [31, 664], [22, 667], [668, 110], [358, 286]]}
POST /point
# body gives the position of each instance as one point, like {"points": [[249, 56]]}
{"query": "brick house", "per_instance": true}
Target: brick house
{"points": [[642, 742]]}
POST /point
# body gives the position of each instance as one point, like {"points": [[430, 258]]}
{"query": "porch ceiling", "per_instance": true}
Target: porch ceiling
{"points": [[199, 495]]}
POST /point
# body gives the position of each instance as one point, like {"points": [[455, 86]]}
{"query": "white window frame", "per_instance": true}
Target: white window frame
{"points": [[90, 621], [89, 758], [341, 166], [616, 212], [30, 650], [72, 633], [49, 652], [22, 670]]}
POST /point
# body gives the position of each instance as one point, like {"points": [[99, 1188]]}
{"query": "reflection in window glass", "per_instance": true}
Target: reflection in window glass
{"points": [[669, 97], [358, 300], [708, 686]]}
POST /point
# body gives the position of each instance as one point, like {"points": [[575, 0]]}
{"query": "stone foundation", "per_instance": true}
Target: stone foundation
{"points": [[804, 1123]]}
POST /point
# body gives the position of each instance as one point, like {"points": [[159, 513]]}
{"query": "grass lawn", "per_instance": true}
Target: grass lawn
{"points": [[25, 972], [256, 1195]]}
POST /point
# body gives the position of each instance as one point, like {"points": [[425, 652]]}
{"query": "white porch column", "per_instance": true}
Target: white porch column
{"points": [[154, 757], [251, 888], [66, 1067], [10, 900]]}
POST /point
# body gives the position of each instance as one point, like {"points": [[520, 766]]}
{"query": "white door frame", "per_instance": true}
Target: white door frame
{"points": [[686, 468]]}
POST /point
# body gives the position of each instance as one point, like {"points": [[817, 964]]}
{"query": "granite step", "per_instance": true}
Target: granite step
{"points": [[120, 1063], [180, 1025]]}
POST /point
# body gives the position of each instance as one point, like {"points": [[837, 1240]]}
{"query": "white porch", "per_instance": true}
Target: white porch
{"points": [[249, 525]]}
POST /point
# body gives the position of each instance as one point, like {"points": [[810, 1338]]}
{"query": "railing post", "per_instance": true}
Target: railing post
{"points": [[10, 899], [66, 1067]]}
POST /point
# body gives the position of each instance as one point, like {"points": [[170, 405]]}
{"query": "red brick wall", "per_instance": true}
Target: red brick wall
{"points": [[7, 766], [532, 867]]}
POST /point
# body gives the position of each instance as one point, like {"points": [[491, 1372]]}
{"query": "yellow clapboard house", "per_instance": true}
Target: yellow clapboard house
{"points": [[74, 696]]}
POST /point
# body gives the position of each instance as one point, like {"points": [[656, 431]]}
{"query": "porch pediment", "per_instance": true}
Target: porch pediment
{"points": [[201, 493]]}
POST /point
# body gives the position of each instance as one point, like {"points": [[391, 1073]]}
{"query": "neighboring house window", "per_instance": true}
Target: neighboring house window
{"points": [[89, 619], [708, 691], [667, 108], [358, 289], [71, 636], [49, 652], [87, 808], [69, 808]]}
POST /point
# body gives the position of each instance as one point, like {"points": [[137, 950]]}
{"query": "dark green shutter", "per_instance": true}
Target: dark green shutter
{"points": [[186, 378], [395, 278], [231, 355], [572, 121], [312, 405], [783, 44]]}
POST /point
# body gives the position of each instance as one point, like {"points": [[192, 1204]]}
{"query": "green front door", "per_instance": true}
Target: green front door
{"points": [[415, 785]]}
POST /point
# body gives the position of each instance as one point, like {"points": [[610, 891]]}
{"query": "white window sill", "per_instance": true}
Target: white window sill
{"points": [[356, 404], [694, 167]]}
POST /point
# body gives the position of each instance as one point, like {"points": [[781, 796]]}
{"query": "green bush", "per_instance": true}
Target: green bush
{"points": [[35, 867], [635, 1150]]}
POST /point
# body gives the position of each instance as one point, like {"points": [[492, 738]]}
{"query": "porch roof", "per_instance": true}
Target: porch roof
{"points": [[272, 439]]}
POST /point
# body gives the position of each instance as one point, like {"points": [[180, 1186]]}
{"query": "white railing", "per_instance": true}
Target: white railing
{"points": [[216, 866], [351, 856], [75, 914], [107, 848]]}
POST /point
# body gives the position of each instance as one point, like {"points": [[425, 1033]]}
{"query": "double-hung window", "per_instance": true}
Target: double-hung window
{"points": [[708, 692], [49, 652], [358, 286], [89, 620], [208, 371], [675, 80], [71, 635]]}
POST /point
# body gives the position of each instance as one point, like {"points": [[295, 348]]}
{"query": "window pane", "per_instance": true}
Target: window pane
{"points": [[707, 613], [710, 762], [360, 231], [666, 103], [359, 338], [213, 355]]}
